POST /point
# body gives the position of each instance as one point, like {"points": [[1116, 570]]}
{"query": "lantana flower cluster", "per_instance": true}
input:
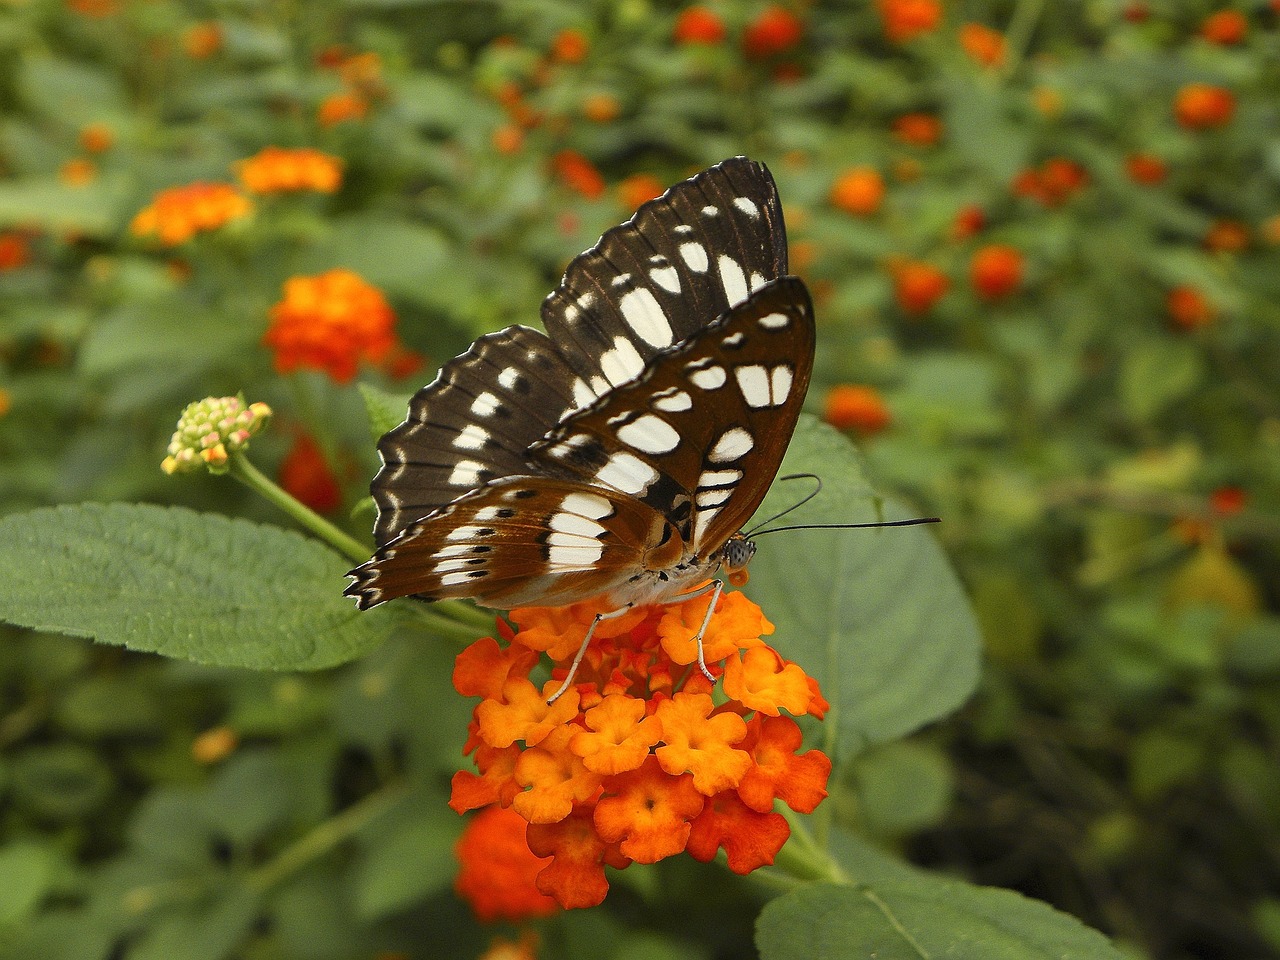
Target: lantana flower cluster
{"points": [[331, 322], [210, 430], [177, 214], [283, 170], [642, 757]]}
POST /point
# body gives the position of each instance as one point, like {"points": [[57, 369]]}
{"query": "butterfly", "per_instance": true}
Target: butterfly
{"points": [[621, 452]]}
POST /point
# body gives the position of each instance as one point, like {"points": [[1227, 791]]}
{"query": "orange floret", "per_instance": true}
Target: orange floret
{"points": [[280, 170], [498, 875], [618, 735], [700, 743], [750, 838], [798, 780], [555, 780], [524, 714], [761, 680], [648, 813], [495, 784]]}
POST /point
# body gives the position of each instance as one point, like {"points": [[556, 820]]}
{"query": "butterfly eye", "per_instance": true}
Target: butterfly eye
{"points": [[738, 552]]}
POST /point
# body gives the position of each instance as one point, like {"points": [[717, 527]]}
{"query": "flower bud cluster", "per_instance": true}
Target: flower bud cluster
{"points": [[210, 430]]}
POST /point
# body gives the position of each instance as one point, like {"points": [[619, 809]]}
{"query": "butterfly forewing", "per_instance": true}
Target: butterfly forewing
{"points": [[700, 435], [652, 282], [473, 424]]}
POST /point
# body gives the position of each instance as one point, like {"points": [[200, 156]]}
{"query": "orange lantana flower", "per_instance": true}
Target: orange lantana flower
{"points": [[906, 19], [636, 761], [330, 322], [983, 45], [917, 286], [280, 170], [1200, 106], [177, 214], [698, 25], [578, 173], [854, 406], [499, 871], [858, 191]]}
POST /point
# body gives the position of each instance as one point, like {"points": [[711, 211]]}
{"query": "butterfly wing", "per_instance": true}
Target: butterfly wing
{"points": [[515, 542], [699, 436], [682, 260]]}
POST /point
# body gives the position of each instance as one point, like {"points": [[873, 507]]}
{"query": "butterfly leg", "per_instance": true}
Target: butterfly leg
{"points": [[582, 650], [715, 588]]}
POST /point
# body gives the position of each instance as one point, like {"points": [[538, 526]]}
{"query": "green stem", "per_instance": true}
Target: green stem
{"points": [[325, 837], [802, 859], [244, 471], [1018, 35]]}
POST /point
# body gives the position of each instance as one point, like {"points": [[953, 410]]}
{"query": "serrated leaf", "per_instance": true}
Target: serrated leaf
{"points": [[876, 616], [194, 586], [921, 917]]}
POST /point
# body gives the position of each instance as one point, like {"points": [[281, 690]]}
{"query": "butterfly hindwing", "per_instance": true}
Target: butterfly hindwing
{"points": [[700, 435], [515, 542]]}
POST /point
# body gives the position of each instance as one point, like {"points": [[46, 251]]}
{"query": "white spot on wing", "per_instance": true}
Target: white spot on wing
{"points": [[454, 579], [472, 437], [466, 473], [582, 395], [718, 478], [649, 434], [702, 520], [484, 405], [672, 402], [575, 554], [757, 281], [643, 314], [753, 381], [710, 211], [709, 378], [627, 473], [695, 255], [587, 505], [621, 364], [774, 321], [621, 280], [780, 383], [716, 497], [575, 525], [667, 278], [508, 377], [747, 206], [462, 533], [734, 444], [732, 279]]}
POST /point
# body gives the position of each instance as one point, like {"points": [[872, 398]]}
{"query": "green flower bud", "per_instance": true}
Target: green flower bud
{"points": [[210, 430]]}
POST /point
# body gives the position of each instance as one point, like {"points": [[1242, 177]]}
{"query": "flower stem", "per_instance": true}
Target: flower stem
{"points": [[243, 470], [802, 859], [327, 835]]}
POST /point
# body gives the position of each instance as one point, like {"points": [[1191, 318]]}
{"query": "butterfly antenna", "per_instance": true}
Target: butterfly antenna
{"points": [[758, 529], [795, 506]]}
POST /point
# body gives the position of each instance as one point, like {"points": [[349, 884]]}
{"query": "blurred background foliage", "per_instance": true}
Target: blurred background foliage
{"points": [[1044, 242]]}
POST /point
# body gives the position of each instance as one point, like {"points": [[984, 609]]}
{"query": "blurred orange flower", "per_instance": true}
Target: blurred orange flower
{"points": [[570, 46], [508, 138], [850, 406], [280, 170], [340, 107], [1200, 106], [214, 745], [917, 286], [177, 214], [918, 129], [330, 322], [1052, 183], [1188, 308], [96, 138], [15, 250], [1145, 168], [306, 476], [996, 271], [578, 173], [983, 45], [905, 20], [94, 8], [498, 875], [776, 30], [1225, 27], [202, 40], [969, 220], [77, 172], [637, 189], [698, 25], [859, 191], [1226, 236], [601, 107]]}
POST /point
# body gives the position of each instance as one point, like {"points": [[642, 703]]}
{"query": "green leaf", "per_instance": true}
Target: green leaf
{"points": [[407, 856], [210, 932], [1157, 372], [26, 875], [918, 918], [44, 202], [876, 616], [194, 586], [385, 410]]}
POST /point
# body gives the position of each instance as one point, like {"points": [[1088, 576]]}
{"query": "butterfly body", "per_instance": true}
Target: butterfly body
{"points": [[620, 453]]}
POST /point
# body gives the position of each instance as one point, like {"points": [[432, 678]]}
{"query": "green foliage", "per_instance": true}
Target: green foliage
{"points": [[166, 580]]}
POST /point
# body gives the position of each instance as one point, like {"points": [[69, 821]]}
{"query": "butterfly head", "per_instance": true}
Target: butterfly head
{"points": [[735, 556]]}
